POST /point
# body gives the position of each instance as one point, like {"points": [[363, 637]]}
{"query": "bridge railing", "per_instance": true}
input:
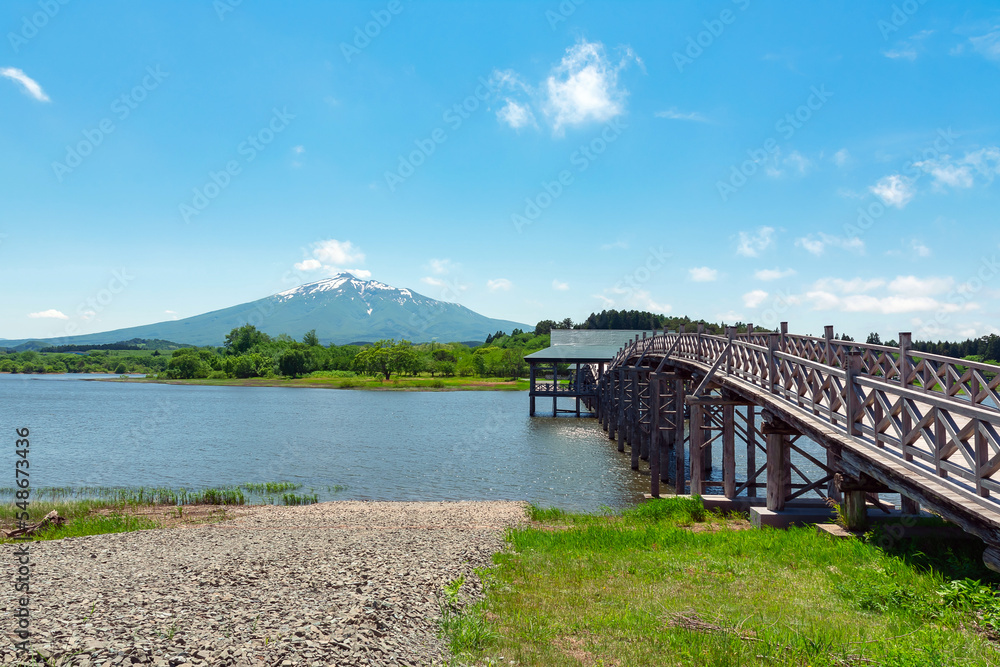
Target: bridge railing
{"points": [[942, 422], [964, 380]]}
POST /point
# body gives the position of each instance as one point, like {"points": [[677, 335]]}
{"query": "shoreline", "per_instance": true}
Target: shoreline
{"points": [[365, 384]]}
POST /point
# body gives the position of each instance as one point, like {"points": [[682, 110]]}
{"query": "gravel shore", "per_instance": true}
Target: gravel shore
{"points": [[339, 583]]}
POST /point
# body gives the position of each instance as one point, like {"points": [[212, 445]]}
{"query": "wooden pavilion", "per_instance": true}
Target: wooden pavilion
{"points": [[586, 352]]}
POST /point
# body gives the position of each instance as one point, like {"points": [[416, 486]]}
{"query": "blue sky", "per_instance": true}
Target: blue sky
{"points": [[820, 163]]}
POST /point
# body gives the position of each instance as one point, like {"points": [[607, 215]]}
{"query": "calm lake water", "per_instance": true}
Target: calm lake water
{"points": [[471, 445]]}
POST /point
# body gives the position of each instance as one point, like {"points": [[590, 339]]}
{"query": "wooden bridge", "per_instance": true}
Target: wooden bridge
{"points": [[890, 420]]}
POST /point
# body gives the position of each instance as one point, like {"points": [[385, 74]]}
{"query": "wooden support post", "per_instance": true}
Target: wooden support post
{"points": [[531, 399], [706, 449], [828, 347], [853, 400], [555, 389], [697, 438], [905, 369], [854, 510], [908, 505], [636, 435], [783, 342], [729, 450], [643, 414], [576, 389], [620, 409], [679, 474], [778, 471], [833, 463], [751, 448], [611, 413], [701, 347], [772, 363], [654, 434], [731, 335]]}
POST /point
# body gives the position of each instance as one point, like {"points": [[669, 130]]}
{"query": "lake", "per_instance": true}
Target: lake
{"points": [[380, 445]]}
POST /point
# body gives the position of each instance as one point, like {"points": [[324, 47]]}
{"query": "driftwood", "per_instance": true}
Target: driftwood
{"points": [[51, 519]]}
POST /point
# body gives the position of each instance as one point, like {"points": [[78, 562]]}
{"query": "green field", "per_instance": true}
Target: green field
{"points": [[667, 583]]}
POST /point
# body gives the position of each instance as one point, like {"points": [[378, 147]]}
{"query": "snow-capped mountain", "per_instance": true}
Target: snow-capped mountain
{"points": [[342, 309]]}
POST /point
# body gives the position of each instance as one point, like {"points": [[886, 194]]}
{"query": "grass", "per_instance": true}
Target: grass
{"points": [[337, 381], [667, 583]]}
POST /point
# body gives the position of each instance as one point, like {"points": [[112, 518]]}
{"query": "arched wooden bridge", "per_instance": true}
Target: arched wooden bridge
{"points": [[890, 420]]}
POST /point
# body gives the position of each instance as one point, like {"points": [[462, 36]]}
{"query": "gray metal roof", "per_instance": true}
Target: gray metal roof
{"points": [[586, 345]]}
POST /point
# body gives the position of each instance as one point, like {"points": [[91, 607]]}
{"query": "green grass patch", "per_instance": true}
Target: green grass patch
{"points": [[99, 524], [667, 583]]}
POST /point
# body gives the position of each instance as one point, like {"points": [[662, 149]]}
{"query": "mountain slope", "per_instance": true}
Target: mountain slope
{"points": [[341, 309]]}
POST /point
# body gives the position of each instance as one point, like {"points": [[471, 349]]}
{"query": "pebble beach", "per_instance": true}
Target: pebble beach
{"points": [[336, 583]]}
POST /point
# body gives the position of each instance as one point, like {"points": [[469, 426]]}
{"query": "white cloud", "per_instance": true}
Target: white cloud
{"points": [[28, 85], [816, 244], [332, 256], [906, 52], [52, 313], [752, 244], [894, 190], [920, 249], [308, 265], [798, 162], [584, 88], [703, 274], [172, 314], [299, 150], [754, 298], [562, 287], [913, 286], [841, 157], [673, 114], [962, 172], [852, 286], [893, 304], [773, 274], [333, 251], [729, 316], [988, 45], [626, 297], [440, 267], [499, 284], [451, 286], [516, 115], [617, 245]]}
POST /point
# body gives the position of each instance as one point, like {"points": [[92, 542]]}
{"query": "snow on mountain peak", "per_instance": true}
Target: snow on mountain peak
{"points": [[339, 283]]}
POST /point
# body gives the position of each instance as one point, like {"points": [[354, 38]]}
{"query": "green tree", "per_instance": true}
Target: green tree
{"points": [[120, 368], [292, 363], [385, 357], [186, 364], [310, 339], [243, 339]]}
